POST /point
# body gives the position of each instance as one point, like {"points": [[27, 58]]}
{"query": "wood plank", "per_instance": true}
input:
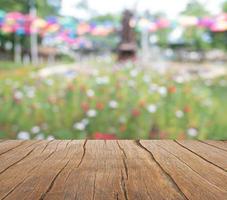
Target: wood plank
{"points": [[211, 154], [8, 145], [113, 170], [143, 170], [16, 155], [17, 173], [218, 144], [44, 174], [88, 176], [83, 178], [192, 185], [209, 172]]}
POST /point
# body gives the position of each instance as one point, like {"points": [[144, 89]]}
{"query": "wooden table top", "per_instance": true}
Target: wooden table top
{"points": [[106, 170]]}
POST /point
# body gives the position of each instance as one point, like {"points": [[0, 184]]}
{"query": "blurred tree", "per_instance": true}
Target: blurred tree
{"points": [[220, 38], [44, 7], [195, 8], [83, 5], [224, 7], [107, 18], [194, 35], [162, 34]]}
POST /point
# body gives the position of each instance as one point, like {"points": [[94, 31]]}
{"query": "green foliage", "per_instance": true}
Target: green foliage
{"points": [[224, 6], [43, 7], [107, 18], [195, 8], [194, 35], [129, 102]]}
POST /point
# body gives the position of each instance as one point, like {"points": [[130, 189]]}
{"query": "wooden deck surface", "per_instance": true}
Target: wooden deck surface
{"points": [[106, 170]]}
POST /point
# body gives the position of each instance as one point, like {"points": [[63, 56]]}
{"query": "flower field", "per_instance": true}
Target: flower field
{"points": [[120, 101]]}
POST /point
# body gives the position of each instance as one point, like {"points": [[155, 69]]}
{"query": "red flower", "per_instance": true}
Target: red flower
{"points": [[85, 107], [172, 89], [100, 106], [103, 136], [70, 87], [135, 112], [142, 103], [187, 109], [123, 128]]}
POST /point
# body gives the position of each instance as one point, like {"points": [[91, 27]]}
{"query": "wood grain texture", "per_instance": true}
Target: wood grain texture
{"points": [[106, 170]]}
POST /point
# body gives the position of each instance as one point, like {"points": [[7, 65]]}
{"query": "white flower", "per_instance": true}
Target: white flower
{"points": [[31, 93], [95, 72], [50, 137], [208, 102], [18, 95], [102, 80], [131, 83], [146, 79], [192, 132], [179, 79], [35, 130], [152, 108], [91, 113], [49, 82], [90, 93], [134, 73], [113, 104], [162, 91], [179, 114], [40, 137], [85, 121], [153, 88], [23, 135], [223, 83], [122, 119], [79, 126]]}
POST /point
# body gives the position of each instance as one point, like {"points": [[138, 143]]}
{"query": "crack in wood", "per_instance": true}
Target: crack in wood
{"points": [[168, 176], [46, 145], [56, 176], [84, 152], [17, 161], [200, 156], [68, 157], [80, 162], [21, 182], [124, 158], [212, 145], [12, 148], [36, 142], [122, 149], [94, 186], [123, 186], [192, 169], [116, 195]]}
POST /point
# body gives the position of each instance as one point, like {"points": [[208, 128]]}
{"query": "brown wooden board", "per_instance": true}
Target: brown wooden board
{"points": [[87, 169]]}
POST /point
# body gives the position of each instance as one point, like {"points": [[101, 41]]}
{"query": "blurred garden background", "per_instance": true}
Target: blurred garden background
{"points": [[64, 73]]}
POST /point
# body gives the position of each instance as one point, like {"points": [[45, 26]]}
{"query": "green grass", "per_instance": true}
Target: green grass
{"points": [[128, 102]]}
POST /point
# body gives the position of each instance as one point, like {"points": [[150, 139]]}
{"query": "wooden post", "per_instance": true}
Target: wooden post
{"points": [[34, 36], [127, 47], [17, 49]]}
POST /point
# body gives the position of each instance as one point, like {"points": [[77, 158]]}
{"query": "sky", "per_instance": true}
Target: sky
{"points": [[171, 7]]}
